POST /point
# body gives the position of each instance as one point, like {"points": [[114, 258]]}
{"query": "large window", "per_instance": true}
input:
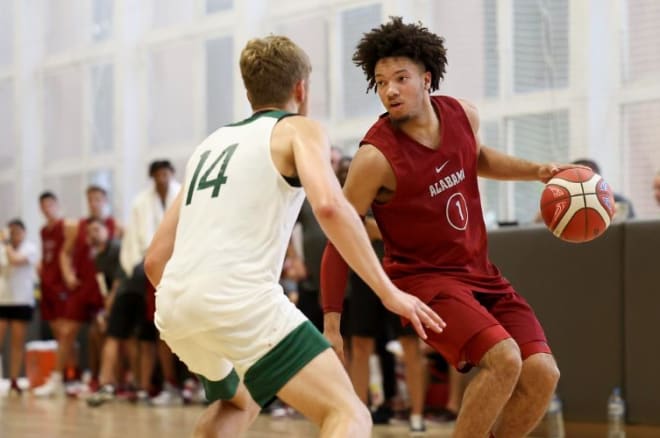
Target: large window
{"points": [[6, 33], [8, 142], [102, 100], [542, 138], [311, 33], [641, 55], [63, 114], [219, 83], [171, 101], [540, 42], [354, 22], [469, 29], [640, 143], [8, 202]]}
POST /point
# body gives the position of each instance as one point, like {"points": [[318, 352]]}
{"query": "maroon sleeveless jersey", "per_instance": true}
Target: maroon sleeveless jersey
{"points": [[433, 226], [83, 259], [52, 240]]}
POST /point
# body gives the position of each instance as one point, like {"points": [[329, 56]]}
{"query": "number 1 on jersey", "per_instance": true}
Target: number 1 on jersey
{"points": [[218, 181]]}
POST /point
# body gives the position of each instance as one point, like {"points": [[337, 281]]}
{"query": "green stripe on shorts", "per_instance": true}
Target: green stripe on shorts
{"points": [[224, 389], [269, 374]]}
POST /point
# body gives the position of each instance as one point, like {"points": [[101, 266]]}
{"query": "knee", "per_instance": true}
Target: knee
{"points": [[542, 371], [362, 420], [505, 361]]}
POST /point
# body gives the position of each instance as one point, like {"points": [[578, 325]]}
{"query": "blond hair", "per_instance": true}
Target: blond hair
{"points": [[270, 67]]}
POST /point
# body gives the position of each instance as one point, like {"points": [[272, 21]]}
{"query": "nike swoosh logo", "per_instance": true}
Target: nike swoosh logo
{"points": [[439, 169]]}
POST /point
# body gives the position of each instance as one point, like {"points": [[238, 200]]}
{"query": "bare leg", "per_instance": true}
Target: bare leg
{"points": [[361, 350], [538, 379], [3, 331], [456, 388], [66, 351], [230, 418], [109, 359], [95, 339], [415, 373], [147, 361], [18, 331], [339, 413], [489, 391], [166, 362]]}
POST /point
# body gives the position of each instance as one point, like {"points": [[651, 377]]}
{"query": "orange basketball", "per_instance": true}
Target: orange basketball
{"points": [[577, 205]]}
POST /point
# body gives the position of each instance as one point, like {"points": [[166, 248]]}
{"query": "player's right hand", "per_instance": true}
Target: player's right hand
{"points": [[413, 309]]}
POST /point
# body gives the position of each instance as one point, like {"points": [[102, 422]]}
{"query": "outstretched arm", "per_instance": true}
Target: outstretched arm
{"points": [[497, 165]]}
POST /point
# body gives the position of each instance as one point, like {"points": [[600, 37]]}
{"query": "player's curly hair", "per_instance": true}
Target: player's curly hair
{"points": [[395, 38]]}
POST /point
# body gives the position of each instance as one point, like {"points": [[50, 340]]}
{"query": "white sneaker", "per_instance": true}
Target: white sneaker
{"points": [[52, 387], [169, 396]]}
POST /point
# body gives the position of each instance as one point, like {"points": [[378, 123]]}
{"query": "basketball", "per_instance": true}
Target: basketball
{"points": [[577, 205]]}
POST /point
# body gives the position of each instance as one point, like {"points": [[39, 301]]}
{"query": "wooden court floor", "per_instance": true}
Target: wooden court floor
{"points": [[28, 417]]}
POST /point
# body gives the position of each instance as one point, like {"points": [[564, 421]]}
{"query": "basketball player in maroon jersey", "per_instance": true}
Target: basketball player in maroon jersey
{"points": [[54, 291], [417, 170], [79, 270]]}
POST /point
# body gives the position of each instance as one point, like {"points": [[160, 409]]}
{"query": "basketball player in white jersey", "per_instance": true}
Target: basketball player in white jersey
{"points": [[218, 254]]}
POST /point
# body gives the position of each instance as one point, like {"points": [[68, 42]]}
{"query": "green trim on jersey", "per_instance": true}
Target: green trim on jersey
{"points": [[224, 389], [269, 374], [275, 114]]}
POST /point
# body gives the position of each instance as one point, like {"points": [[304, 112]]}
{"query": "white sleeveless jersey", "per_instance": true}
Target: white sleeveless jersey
{"points": [[236, 219]]}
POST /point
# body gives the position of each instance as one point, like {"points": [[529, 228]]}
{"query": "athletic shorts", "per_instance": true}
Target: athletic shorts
{"points": [[369, 318], [127, 318], [52, 302], [81, 305], [476, 321], [16, 313], [265, 342]]}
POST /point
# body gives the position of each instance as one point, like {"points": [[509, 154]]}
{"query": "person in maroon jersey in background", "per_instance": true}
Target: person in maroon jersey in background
{"points": [[54, 291], [417, 170], [79, 273]]}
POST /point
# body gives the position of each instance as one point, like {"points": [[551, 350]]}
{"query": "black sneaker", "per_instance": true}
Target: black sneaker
{"points": [[382, 415]]}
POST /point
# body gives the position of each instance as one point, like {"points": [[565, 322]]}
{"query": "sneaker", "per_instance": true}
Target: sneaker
{"points": [[104, 394], [142, 396], [169, 396], [52, 387], [14, 389], [417, 426], [193, 392], [382, 415]]}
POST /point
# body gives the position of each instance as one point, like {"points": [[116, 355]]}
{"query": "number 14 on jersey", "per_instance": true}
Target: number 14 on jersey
{"points": [[205, 182]]}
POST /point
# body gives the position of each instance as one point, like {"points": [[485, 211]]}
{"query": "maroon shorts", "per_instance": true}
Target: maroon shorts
{"points": [[476, 321], [52, 302], [83, 304]]}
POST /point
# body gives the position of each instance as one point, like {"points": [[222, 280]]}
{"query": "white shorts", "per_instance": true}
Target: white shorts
{"points": [[212, 334]]}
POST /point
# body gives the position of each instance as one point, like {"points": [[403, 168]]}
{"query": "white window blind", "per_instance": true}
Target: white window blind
{"points": [[542, 138], [220, 69], [6, 33], [102, 98], [641, 138], [62, 114], [540, 42], [311, 34], [641, 55], [9, 208], [171, 104], [354, 23], [8, 141]]}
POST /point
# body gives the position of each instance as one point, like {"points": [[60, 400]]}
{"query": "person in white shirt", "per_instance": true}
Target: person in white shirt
{"points": [[18, 259]]}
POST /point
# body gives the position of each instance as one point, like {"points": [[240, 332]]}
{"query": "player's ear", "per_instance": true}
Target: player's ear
{"points": [[427, 80], [300, 90]]}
